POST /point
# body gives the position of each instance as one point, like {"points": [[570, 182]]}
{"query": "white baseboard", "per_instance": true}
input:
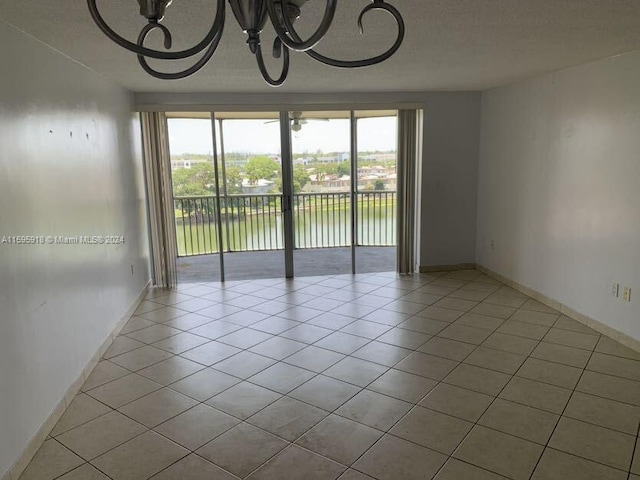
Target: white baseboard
{"points": [[45, 429], [596, 325], [447, 268]]}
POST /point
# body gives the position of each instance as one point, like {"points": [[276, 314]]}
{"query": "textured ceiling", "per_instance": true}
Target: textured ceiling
{"points": [[450, 44]]}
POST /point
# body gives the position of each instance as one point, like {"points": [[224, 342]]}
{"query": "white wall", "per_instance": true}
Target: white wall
{"points": [[559, 187], [450, 152], [69, 165]]}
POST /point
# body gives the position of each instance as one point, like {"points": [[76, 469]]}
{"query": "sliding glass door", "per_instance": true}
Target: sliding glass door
{"points": [[271, 194]]}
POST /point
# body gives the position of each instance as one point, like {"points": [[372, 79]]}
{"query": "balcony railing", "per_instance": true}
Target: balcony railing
{"points": [[255, 222]]}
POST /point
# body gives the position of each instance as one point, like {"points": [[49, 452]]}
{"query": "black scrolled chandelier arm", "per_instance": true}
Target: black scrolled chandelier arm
{"points": [[211, 36], [167, 42], [284, 52], [285, 31], [376, 5]]}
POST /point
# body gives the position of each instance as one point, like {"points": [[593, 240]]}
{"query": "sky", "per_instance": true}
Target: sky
{"points": [[256, 136]]}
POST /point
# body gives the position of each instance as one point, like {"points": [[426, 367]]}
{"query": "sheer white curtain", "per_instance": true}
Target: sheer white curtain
{"points": [[160, 198], [409, 147]]}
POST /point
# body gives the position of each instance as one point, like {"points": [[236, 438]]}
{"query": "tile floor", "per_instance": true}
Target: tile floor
{"points": [[447, 376]]}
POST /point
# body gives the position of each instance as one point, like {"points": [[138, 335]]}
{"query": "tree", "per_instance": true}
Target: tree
{"points": [[300, 178], [261, 168], [199, 180], [379, 185], [234, 180]]}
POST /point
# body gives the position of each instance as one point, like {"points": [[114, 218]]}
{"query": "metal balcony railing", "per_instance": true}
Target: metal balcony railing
{"points": [[255, 222]]}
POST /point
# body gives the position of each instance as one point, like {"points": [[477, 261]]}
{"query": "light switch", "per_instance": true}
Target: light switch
{"points": [[627, 294]]}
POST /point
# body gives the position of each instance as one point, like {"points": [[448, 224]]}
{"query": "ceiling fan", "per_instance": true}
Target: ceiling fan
{"points": [[297, 121]]}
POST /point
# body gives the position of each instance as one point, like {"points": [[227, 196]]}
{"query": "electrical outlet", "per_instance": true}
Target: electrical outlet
{"points": [[615, 289], [627, 294]]}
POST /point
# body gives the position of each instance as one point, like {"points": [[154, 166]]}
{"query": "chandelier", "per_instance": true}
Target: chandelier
{"points": [[252, 15]]}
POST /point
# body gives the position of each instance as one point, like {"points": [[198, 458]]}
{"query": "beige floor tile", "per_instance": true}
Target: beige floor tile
{"points": [[287, 418], [567, 323], [375, 410], [635, 466], [314, 358], [393, 458], [498, 360], [154, 333], [426, 326], [330, 320], [171, 370], [506, 300], [180, 343], [136, 323], [430, 366], [342, 343], [188, 321], [469, 294], [456, 401], [536, 306], [387, 317], [572, 339], [141, 457], [526, 330], [306, 333], [442, 290], [549, 372], [197, 426], [355, 371], [300, 313], [477, 320], [457, 470], [614, 388], [244, 364], [82, 409], [499, 311], [559, 465], [277, 325], [594, 443], [278, 348], [120, 345], [431, 429], [354, 475], [365, 329], [244, 318], [617, 366], [574, 357], [158, 407], [210, 353], [282, 378], [205, 384], [510, 343], [604, 412], [382, 353], [535, 394], [401, 337], [242, 449], [85, 472], [245, 338], [442, 314], [104, 372], [163, 314], [477, 379], [295, 463], [101, 435], [446, 348], [243, 400], [536, 318], [520, 420], [611, 347], [194, 304], [193, 468], [500, 453], [51, 461], [403, 386], [463, 333], [403, 306], [325, 392], [141, 358], [147, 306], [215, 329], [456, 304], [124, 390], [340, 439]]}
